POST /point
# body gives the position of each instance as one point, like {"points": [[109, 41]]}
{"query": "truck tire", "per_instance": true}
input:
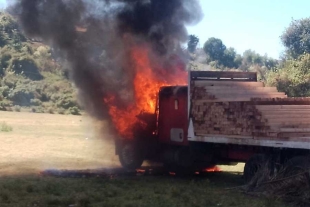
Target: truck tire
{"points": [[130, 157], [252, 166], [296, 165]]}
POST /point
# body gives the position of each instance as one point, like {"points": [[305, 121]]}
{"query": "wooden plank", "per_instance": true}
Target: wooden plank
{"points": [[222, 100], [228, 95], [290, 125], [294, 130], [251, 76], [281, 120], [281, 101], [241, 88], [286, 111], [269, 107], [202, 133], [285, 116], [232, 99], [293, 134], [246, 92], [226, 83]]}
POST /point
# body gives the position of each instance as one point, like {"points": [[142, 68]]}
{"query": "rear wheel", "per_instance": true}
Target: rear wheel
{"points": [[296, 165], [130, 157], [252, 166]]}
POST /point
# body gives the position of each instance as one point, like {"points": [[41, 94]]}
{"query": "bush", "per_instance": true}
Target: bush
{"points": [[21, 96], [74, 110], [11, 80], [4, 62], [66, 101], [50, 110], [5, 104], [35, 102], [293, 78], [4, 91], [4, 127], [61, 111], [27, 66], [17, 108]]}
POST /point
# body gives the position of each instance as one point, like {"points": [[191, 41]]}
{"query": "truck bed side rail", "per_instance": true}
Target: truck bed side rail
{"points": [[223, 76]]}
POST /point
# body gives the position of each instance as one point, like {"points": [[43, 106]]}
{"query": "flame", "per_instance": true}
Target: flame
{"points": [[147, 82], [212, 169]]}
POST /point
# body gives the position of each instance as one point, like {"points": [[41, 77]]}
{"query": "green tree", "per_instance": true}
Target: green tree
{"points": [[214, 48], [229, 57], [238, 60], [193, 41], [293, 78], [296, 38]]}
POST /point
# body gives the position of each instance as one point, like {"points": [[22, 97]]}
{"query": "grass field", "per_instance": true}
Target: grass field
{"points": [[35, 142]]}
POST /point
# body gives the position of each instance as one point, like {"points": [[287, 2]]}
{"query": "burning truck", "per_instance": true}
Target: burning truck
{"points": [[126, 60], [218, 118]]}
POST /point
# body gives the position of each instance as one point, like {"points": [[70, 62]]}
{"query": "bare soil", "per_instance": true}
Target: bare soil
{"points": [[46, 141]]}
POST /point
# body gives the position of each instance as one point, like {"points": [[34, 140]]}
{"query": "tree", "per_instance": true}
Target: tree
{"points": [[296, 38], [293, 78], [269, 62], [238, 60], [192, 43], [228, 59], [214, 48]]}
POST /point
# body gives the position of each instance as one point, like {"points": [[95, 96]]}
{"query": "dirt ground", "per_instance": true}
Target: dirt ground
{"points": [[47, 141], [39, 142]]}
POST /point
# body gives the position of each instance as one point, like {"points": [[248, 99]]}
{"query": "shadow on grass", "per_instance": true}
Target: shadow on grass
{"points": [[121, 189]]}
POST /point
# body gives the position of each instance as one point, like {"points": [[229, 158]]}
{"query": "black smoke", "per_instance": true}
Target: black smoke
{"points": [[93, 36]]}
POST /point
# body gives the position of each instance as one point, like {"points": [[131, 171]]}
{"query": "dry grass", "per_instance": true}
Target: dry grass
{"points": [[41, 141], [45, 141]]}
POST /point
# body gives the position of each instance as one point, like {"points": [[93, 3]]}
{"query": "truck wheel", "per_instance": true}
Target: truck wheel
{"points": [[130, 157], [252, 166], [296, 165]]}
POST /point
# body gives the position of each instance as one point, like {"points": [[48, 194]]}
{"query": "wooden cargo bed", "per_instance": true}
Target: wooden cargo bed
{"points": [[247, 110]]}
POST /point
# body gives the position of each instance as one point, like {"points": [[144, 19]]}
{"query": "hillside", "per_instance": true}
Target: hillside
{"points": [[31, 75]]}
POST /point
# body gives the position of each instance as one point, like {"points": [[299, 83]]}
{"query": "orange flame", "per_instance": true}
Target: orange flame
{"points": [[147, 83]]}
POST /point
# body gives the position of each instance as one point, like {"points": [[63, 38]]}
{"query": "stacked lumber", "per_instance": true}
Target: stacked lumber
{"points": [[247, 109]]}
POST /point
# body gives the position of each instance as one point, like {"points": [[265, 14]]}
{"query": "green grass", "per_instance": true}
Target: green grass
{"points": [[4, 127], [129, 191]]}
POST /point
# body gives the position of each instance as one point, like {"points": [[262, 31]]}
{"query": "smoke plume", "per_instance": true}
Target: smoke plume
{"points": [[95, 37]]}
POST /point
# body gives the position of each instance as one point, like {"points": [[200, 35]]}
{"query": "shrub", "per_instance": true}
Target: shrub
{"points": [[4, 127], [9, 109], [293, 78], [66, 101], [74, 110], [4, 104], [10, 80], [50, 110], [4, 91], [33, 110], [17, 108], [4, 62], [61, 111], [21, 96], [26, 65], [35, 102]]}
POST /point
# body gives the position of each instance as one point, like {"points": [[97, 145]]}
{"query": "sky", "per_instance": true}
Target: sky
{"points": [[247, 24]]}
